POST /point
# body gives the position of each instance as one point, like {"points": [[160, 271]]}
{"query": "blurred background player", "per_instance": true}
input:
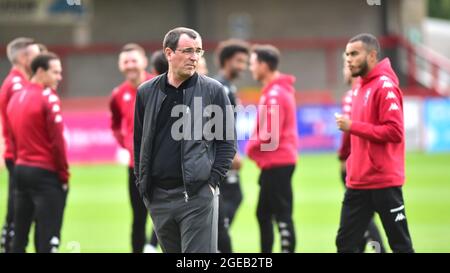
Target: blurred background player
{"points": [[20, 52], [232, 57], [132, 64], [202, 68], [41, 170], [376, 165], [158, 63], [372, 234], [276, 125]]}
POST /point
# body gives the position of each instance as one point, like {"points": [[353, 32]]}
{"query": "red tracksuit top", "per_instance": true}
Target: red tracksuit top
{"points": [[37, 130], [280, 92], [14, 82], [121, 105], [377, 157]]}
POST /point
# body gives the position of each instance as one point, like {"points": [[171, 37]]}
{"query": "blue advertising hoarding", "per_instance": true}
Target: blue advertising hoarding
{"points": [[437, 125], [316, 126]]}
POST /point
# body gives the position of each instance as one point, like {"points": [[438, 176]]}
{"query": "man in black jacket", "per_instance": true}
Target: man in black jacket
{"points": [[232, 58], [184, 143]]}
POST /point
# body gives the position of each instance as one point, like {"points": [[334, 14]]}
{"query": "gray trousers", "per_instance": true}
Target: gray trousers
{"points": [[185, 227]]}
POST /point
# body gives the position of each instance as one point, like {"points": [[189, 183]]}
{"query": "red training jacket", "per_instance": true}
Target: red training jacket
{"points": [[37, 130], [121, 105], [14, 82], [280, 94], [377, 157]]}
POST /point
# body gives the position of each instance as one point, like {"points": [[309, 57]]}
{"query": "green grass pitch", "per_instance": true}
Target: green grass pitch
{"points": [[98, 213]]}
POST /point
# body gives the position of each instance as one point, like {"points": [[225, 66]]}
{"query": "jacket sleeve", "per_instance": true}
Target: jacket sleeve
{"points": [[55, 127], [3, 107], [389, 127], [139, 111], [344, 150], [225, 147], [116, 120], [5, 96]]}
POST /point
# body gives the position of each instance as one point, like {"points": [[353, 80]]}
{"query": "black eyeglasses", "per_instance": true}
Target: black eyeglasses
{"points": [[191, 51]]}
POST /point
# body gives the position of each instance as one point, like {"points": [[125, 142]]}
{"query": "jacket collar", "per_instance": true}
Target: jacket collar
{"points": [[188, 83]]}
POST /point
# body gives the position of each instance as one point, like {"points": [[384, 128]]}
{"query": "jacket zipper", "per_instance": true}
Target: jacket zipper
{"points": [[186, 196]]}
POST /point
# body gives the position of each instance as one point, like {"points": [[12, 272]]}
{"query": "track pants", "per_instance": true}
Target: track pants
{"points": [[40, 197], [275, 204], [357, 211]]}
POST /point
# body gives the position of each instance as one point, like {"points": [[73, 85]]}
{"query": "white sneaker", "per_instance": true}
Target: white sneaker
{"points": [[148, 248]]}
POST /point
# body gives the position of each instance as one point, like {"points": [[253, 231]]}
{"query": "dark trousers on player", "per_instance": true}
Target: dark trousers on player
{"points": [[275, 203], [8, 227], [229, 200], [372, 236], [185, 226], [357, 211], [39, 196], [140, 215]]}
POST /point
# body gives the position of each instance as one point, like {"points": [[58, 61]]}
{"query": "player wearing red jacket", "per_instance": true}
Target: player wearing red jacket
{"points": [[36, 129], [273, 147], [132, 64], [21, 52], [372, 236], [376, 165]]}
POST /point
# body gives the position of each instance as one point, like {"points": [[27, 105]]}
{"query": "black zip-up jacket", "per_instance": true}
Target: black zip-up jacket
{"points": [[203, 160]]}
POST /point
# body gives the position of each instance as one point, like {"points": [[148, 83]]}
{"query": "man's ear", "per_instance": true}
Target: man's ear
{"points": [[39, 71], [265, 66], [226, 63], [168, 52], [373, 56], [22, 58]]}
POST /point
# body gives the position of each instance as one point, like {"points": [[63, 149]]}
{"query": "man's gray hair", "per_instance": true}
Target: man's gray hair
{"points": [[16, 46]]}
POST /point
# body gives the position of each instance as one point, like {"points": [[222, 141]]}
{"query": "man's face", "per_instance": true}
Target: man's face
{"points": [[132, 64], [183, 61], [357, 58], [236, 64], [28, 55], [53, 75], [256, 67]]}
